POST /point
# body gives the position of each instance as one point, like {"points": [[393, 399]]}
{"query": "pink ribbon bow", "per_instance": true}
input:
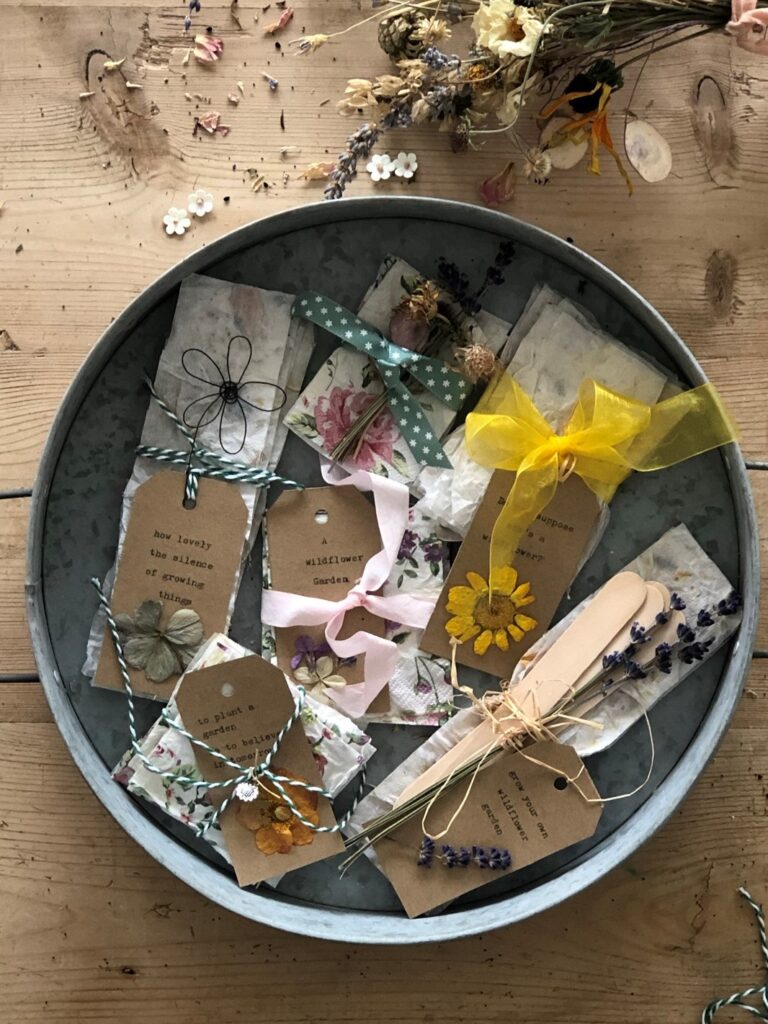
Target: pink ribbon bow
{"points": [[749, 25], [280, 608]]}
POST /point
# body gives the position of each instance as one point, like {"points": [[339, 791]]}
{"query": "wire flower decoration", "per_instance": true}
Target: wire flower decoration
{"points": [[230, 396]]}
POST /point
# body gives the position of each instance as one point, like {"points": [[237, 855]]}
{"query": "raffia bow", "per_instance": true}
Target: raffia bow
{"points": [[607, 436]]}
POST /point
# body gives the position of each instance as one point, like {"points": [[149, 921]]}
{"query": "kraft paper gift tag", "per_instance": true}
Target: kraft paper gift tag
{"points": [[515, 804], [547, 558], [184, 557], [239, 708], [272, 348], [318, 542]]}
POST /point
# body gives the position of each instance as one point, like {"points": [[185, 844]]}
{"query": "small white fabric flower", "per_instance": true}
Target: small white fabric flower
{"points": [[247, 791], [176, 221], [200, 202], [380, 167], [406, 165]]}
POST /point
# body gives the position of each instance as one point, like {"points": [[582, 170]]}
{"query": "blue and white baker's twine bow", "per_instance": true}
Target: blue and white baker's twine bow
{"points": [[392, 360], [243, 774], [202, 462], [737, 998]]}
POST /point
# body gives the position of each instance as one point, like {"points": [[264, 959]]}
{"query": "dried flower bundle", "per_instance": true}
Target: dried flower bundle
{"points": [[572, 52]]}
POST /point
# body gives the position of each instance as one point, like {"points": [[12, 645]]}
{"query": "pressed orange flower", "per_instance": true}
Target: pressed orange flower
{"points": [[490, 618], [595, 122], [275, 827]]}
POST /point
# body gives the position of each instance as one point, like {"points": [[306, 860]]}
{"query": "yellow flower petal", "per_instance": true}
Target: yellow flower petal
{"points": [[477, 583], [521, 593], [461, 600], [469, 634], [516, 634], [458, 624], [483, 642], [501, 640], [525, 622], [504, 580]]}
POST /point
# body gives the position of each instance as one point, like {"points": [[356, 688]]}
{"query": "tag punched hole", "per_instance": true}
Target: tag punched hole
{"points": [[560, 782], [227, 690], [321, 517], [189, 503]]}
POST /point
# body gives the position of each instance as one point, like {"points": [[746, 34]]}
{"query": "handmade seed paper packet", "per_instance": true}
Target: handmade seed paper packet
{"points": [[676, 562], [348, 383], [340, 750], [221, 332], [549, 326]]}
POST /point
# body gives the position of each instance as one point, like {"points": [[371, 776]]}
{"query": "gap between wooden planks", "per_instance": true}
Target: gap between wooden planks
{"points": [[93, 929]]}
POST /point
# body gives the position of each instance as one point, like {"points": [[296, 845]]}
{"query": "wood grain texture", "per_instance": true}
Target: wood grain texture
{"points": [[87, 181], [93, 930]]}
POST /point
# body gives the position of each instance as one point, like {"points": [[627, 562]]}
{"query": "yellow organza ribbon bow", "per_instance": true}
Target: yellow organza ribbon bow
{"points": [[607, 436]]}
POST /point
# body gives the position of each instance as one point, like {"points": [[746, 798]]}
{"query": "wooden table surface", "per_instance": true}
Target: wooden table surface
{"points": [[91, 928]]}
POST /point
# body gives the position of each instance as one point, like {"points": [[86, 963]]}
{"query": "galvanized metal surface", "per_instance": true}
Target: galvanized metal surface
{"points": [[336, 248]]}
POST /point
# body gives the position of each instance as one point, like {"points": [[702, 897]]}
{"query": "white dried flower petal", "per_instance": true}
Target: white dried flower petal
{"points": [[648, 151]]}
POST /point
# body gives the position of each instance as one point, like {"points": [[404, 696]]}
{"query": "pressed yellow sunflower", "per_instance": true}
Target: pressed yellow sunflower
{"points": [[490, 618]]}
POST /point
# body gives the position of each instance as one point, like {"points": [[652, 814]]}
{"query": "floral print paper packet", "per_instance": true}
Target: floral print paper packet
{"points": [[348, 383], [339, 747], [420, 691]]}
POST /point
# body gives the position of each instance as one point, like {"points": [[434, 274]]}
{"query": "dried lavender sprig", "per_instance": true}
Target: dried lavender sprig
{"points": [[426, 852], [359, 146]]}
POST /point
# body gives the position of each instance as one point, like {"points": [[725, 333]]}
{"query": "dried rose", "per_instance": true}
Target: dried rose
{"points": [[316, 171]]}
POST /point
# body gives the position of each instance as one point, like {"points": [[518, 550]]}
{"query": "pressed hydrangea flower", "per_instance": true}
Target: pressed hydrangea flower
{"points": [[160, 651], [405, 165], [176, 221], [380, 167], [490, 618], [200, 202]]}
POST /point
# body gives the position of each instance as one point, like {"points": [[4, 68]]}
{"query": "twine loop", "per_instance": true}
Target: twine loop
{"points": [[736, 999]]}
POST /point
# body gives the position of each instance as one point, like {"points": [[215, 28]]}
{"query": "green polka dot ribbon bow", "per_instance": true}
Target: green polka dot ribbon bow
{"points": [[447, 385]]}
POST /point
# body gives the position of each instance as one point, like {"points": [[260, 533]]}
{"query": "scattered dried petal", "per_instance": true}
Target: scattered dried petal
{"points": [[308, 44], [499, 188], [241, 88], [272, 82], [207, 48], [185, 58], [86, 95], [288, 151], [277, 26], [133, 85], [113, 65], [233, 98], [316, 171], [211, 122], [648, 151]]}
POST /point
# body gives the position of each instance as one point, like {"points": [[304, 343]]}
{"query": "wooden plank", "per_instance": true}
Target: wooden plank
{"points": [[16, 656], [93, 929], [87, 182]]}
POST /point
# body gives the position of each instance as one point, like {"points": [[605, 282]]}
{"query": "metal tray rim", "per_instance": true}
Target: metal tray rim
{"points": [[355, 925]]}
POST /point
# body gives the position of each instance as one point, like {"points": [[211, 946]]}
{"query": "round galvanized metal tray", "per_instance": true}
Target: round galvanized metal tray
{"points": [[336, 248]]}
